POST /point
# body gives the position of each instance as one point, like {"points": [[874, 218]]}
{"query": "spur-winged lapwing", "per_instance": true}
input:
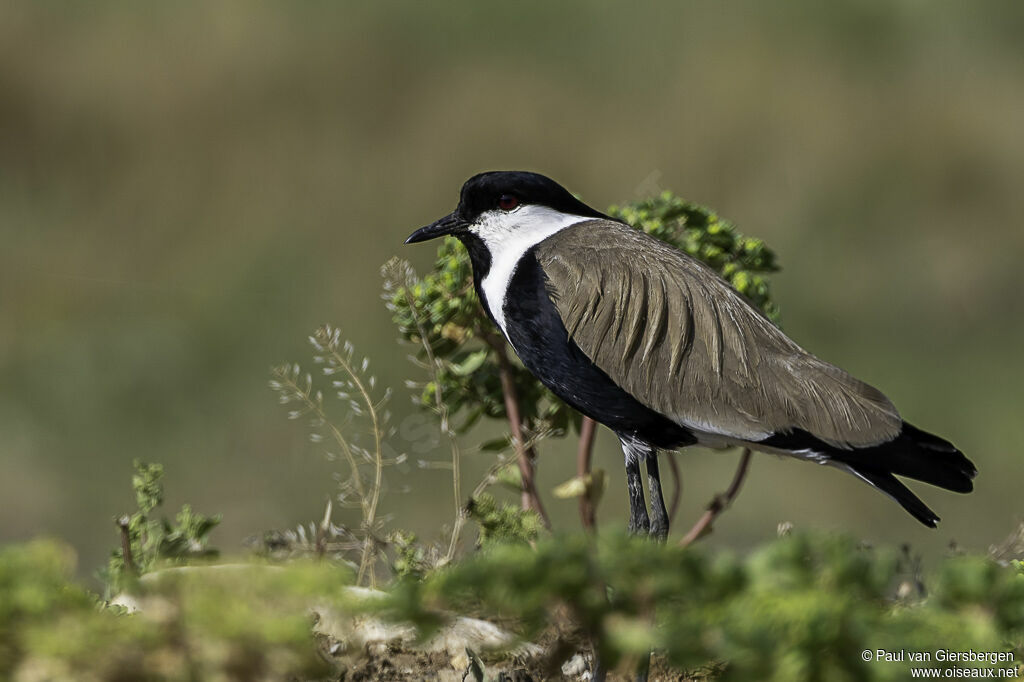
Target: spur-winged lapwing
{"points": [[657, 347]]}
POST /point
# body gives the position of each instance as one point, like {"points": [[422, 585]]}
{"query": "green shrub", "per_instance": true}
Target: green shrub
{"points": [[803, 607], [148, 542], [241, 622]]}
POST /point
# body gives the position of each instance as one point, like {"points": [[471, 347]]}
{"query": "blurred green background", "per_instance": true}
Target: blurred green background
{"points": [[188, 189]]}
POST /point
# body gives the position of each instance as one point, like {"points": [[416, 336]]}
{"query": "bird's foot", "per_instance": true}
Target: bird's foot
{"points": [[639, 525], [658, 530]]}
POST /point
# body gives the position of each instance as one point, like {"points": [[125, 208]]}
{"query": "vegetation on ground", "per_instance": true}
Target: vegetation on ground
{"points": [[801, 607]]}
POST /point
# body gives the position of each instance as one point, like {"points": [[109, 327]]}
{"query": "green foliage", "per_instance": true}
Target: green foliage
{"points": [[701, 233], [149, 491], [153, 542], [241, 622], [502, 523], [33, 585], [802, 608], [411, 561], [441, 311]]}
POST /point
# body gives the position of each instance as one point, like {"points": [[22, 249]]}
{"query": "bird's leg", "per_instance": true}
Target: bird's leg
{"points": [[659, 531], [639, 523], [634, 450], [659, 515]]}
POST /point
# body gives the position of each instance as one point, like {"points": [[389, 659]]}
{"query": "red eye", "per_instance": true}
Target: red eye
{"points": [[507, 202]]}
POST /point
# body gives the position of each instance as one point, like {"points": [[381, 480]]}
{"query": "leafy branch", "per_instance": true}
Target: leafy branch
{"points": [[399, 279], [147, 542], [468, 362], [794, 609]]}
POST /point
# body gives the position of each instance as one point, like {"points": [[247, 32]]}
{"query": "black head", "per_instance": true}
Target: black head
{"points": [[503, 192]]}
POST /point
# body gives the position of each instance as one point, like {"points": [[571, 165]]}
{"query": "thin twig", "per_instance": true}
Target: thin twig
{"points": [[370, 513], [446, 429], [488, 478], [719, 502], [524, 455], [677, 489], [584, 455], [315, 406], [323, 529]]}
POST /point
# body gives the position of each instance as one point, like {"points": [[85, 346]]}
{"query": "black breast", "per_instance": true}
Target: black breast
{"points": [[543, 344]]}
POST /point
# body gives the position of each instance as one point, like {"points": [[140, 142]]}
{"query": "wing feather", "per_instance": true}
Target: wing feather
{"points": [[656, 322], [636, 315], [677, 337]]}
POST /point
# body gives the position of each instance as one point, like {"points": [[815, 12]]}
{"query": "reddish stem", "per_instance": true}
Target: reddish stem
{"points": [[525, 456], [719, 502], [123, 524], [584, 456], [677, 491]]}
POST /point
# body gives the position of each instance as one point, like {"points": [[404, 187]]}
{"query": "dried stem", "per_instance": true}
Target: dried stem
{"points": [[370, 507], [719, 502], [123, 523], [525, 455], [584, 455], [488, 478], [315, 406], [677, 482], [322, 530], [446, 429], [398, 274]]}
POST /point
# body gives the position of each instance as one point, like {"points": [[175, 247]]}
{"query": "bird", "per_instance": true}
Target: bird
{"points": [[656, 346]]}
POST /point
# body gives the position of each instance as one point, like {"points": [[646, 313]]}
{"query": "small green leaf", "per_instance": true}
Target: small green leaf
{"points": [[574, 487], [495, 445], [472, 363], [591, 485], [510, 477]]}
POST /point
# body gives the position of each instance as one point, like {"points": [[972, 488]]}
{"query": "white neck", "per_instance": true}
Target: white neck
{"points": [[508, 236]]}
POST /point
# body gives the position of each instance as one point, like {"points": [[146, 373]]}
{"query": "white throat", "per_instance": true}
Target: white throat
{"points": [[508, 236]]}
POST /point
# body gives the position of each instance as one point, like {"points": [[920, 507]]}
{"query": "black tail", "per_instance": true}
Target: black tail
{"points": [[913, 453], [889, 485]]}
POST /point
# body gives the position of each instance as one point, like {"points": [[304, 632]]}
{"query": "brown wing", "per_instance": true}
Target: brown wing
{"points": [[681, 340]]}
